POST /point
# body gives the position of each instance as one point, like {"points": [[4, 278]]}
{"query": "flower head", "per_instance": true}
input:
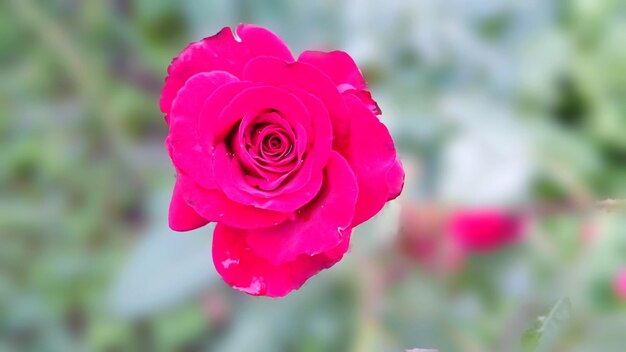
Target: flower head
{"points": [[286, 156]]}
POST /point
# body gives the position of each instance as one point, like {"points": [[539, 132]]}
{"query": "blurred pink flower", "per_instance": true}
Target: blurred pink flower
{"points": [[422, 238], [286, 155], [619, 285], [485, 230]]}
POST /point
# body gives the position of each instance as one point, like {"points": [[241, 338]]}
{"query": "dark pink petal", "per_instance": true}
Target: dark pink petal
{"points": [[344, 72], [187, 150], [278, 72], [319, 149], [214, 206], [395, 179], [249, 146], [337, 65], [214, 105], [233, 183], [241, 268], [181, 216], [372, 156], [295, 105], [257, 100], [316, 228], [221, 52], [365, 97]]}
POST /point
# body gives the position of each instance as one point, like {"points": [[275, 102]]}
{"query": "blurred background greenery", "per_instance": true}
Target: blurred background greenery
{"points": [[498, 103]]}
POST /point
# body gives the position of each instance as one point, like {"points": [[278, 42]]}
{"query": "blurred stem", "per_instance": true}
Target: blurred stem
{"points": [[370, 334], [607, 205]]}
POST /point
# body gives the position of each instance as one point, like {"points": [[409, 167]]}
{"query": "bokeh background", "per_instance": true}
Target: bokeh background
{"points": [[517, 107]]}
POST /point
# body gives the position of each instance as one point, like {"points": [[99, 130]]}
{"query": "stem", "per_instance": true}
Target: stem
{"points": [[607, 205]]}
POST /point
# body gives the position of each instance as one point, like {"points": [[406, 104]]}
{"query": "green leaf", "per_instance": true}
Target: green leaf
{"points": [[545, 330]]}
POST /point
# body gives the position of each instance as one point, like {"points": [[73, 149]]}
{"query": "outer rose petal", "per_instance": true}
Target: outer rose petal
{"points": [[372, 156], [187, 149], [395, 179], [182, 217], [213, 205], [317, 227], [221, 52], [337, 65], [241, 268], [344, 72]]}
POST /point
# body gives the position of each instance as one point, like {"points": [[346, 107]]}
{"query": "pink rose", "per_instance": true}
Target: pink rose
{"points": [[286, 156], [485, 230]]}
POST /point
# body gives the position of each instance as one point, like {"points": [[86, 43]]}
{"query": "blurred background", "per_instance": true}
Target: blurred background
{"points": [[510, 119]]}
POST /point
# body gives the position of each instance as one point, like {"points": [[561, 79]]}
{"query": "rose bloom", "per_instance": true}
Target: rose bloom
{"points": [[286, 156], [485, 230]]}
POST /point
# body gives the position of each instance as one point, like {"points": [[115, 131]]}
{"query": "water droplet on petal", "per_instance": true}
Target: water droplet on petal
{"points": [[255, 287], [228, 262]]}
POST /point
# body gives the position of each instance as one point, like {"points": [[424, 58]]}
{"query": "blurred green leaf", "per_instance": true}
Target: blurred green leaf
{"points": [[542, 335]]}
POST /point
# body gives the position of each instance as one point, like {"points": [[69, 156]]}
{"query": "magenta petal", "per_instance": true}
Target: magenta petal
{"points": [[344, 72], [319, 226], [221, 52], [278, 72], [365, 97], [395, 180], [257, 100], [214, 105], [241, 268], [337, 65], [182, 217], [213, 205], [372, 156], [187, 150], [230, 174]]}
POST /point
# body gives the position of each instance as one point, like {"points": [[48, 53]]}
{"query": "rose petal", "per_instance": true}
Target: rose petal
{"points": [[372, 156], [337, 65], [256, 100], [252, 155], [365, 97], [296, 105], [213, 205], [344, 72], [278, 72], [221, 52], [319, 226], [214, 105], [182, 217], [241, 268], [184, 144], [232, 181], [395, 179]]}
